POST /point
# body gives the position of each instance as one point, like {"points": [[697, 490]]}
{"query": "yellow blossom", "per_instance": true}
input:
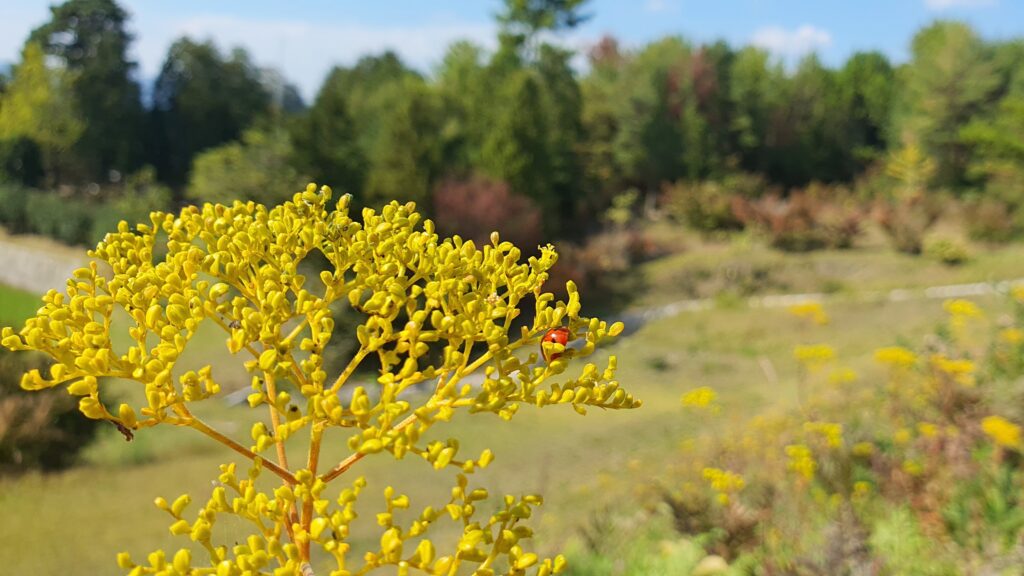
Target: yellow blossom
{"points": [[927, 429], [895, 357], [701, 399], [801, 461], [842, 376], [1003, 432], [861, 489], [863, 449], [961, 370], [962, 308], [811, 310], [902, 436], [831, 432], [1011, 335], [724, 482], [813, 356]]}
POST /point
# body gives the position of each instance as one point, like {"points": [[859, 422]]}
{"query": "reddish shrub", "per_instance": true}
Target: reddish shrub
{"points": [[809, 219], [476, 207]]}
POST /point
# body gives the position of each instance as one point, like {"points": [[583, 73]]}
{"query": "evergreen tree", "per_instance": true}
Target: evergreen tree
{"points": [[89, 38], [949, 79], [201, 100], [324, 140]]}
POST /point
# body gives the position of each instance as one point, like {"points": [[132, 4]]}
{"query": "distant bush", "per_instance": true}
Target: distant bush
{"points": [[708, 206], [38, 430], [64, 218], [475, 207], [13, 198], [810, 219], [992, 220], [947, 251], [140, 195]]}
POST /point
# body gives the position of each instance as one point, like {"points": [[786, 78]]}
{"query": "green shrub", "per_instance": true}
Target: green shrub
{"points": [[37, 431], [708, 206], [13, 198], [66, 219], [947, 251]]}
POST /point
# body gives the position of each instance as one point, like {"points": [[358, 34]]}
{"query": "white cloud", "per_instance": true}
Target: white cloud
{"points": [[946, 4], [304, 52], [791, 44]]}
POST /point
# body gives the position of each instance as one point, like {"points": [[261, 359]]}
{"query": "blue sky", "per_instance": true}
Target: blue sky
{"points": [[305, 38]]}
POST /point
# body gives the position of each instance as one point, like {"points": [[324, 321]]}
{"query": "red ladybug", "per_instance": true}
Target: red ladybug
{"points": [[558, 335]]}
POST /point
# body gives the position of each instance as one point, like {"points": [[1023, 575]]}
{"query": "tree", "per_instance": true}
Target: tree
{"points": [[461, 83], [564, 107], [201, 100], [867, 84], [89, 39], [948, 81], [37, 112], [256, 168], [406, 158], [515, 149], [324, 140]]}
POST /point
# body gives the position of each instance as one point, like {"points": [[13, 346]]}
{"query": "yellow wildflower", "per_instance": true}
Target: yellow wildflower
{"points": [[1011, 335], [830, 431], [801, 461], [1003, 432], [724, 482], [913, 467], [814, 355], [842, 376], [962, 308], [927, 429], [961, 370], [895, 357], [1017, 293], [863, 449], [701, 399], [902, 436], [861, 489], [810, 310]]}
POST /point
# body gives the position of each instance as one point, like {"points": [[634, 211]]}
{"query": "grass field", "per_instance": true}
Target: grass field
{"points": [[583, 465]]}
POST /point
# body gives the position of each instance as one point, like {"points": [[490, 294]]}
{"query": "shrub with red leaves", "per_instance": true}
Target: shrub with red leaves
{"points": [[475, 207]]}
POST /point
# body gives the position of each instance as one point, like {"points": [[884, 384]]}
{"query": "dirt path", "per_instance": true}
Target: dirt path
{"points": [[36, 264]]}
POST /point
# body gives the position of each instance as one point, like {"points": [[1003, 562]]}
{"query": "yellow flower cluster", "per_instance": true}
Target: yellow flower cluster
{"points": [[1011, 336], [1003, 432], [701, 399], [960, 308], [724, 483], [830, 432], [814, 355], [960, 370], [895, 357], [810, 310], [432, 309], [801, 461]]}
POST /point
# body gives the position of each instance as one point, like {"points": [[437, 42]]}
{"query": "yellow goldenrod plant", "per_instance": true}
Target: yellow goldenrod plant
{"points": [[432, 311]]}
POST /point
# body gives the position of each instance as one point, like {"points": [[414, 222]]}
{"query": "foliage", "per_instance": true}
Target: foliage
{"points": [[90, 40], [237, 268], [255, 168], [35, 107], [708, 205], [908, 209], [201, 99], [37, 431], [921, 476], [139, 195], [474, 208], [810, 219], [947, 251], [324, 139], [68, 219]]}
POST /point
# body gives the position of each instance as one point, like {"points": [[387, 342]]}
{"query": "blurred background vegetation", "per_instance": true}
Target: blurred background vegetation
{"points": [[681, 182]]}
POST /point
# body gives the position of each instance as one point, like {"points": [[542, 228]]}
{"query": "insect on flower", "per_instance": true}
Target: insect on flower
{"points": [[559, 336]]}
